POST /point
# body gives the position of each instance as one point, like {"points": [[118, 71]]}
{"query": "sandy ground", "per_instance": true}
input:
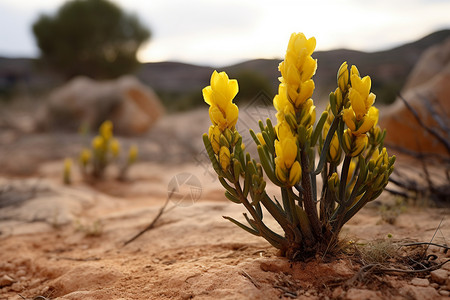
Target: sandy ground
{"points": [[67, 242]]}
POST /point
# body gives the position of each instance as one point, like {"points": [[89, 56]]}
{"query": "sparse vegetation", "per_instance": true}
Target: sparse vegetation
{"points": [[353, 164], [104, 151]]}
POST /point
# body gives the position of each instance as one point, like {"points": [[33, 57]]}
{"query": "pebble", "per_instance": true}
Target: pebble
{"points": [[444, 293], [5, 280], [420, 282], [17, 287], [439, 276], [435, 285]]}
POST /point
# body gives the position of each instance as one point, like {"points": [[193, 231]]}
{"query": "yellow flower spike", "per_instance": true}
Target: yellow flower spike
{"points": [[132, 154], [67, 170], [224, 158], [106, 130], [343, 77], [214, 137], [219, 95], [67, 165], [98, 142], [85, 156], [115, 147], [260, 138], [295, 174]]}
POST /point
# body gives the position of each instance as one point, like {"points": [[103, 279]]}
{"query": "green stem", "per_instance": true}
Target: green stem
{"points": [[308, 201], [326, 146]]}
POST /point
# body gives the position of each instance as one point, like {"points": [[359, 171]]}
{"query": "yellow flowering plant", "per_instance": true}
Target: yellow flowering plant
{"points": [[351, 161], [104, 150]]}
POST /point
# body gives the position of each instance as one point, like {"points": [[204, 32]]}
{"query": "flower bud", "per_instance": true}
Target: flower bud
{"points": [[295, 174], [224, 158], [343, 77], [132, 154]]}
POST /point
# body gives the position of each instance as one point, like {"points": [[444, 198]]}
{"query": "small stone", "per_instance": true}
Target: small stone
{"points": [[419, 292], [337, 293], [446, 266], [444, 293], [5, 280], [21, 273], [17, 287], [420, 282], [435, 285], [358, 294], [439, 276]]}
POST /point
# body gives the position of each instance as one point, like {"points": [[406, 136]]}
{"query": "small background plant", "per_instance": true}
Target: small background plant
{"points": [[104, 151], [352, 162]]}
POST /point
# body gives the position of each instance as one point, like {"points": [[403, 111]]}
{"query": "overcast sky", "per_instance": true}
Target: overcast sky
{"points": [[218, 33]]}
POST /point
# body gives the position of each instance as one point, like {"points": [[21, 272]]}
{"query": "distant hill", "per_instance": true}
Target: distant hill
{"points": [[179, 84]]}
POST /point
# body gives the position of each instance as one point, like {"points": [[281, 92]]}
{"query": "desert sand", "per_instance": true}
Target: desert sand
{"points": [[67, 241]]}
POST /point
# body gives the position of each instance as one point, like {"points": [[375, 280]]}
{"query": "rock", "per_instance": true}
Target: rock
{"points": [[130, 105], [444, 293], [30, 206], [434, 285], [5, 280], [420, 282], [359, 294], [337, 293], [428, 86], [418, 292], [439, 276]]}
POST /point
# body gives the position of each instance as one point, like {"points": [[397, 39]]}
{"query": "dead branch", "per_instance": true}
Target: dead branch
{"points": [[152, 224]]}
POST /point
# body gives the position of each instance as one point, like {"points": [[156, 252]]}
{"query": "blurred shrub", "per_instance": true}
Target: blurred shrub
{"points": [[90, 37]]}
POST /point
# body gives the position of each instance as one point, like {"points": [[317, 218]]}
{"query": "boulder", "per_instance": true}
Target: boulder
{"points": [[428, 86], [130, 105]]}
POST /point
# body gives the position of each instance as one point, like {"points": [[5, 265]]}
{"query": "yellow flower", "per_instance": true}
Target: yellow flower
{"points": [[132, 154], [295, 174], [224, 158], [335, 149], [354, 145], [287, 169], [106, 130], [362, 126], [260, 138], [214, 137], [282, 103], [308, 113], [98, 142], [115, 147], [342, 77], [360, 97], [85, 156], [351, 170], [374, 113], [67, 165], [219, 96], [298, 67]]}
